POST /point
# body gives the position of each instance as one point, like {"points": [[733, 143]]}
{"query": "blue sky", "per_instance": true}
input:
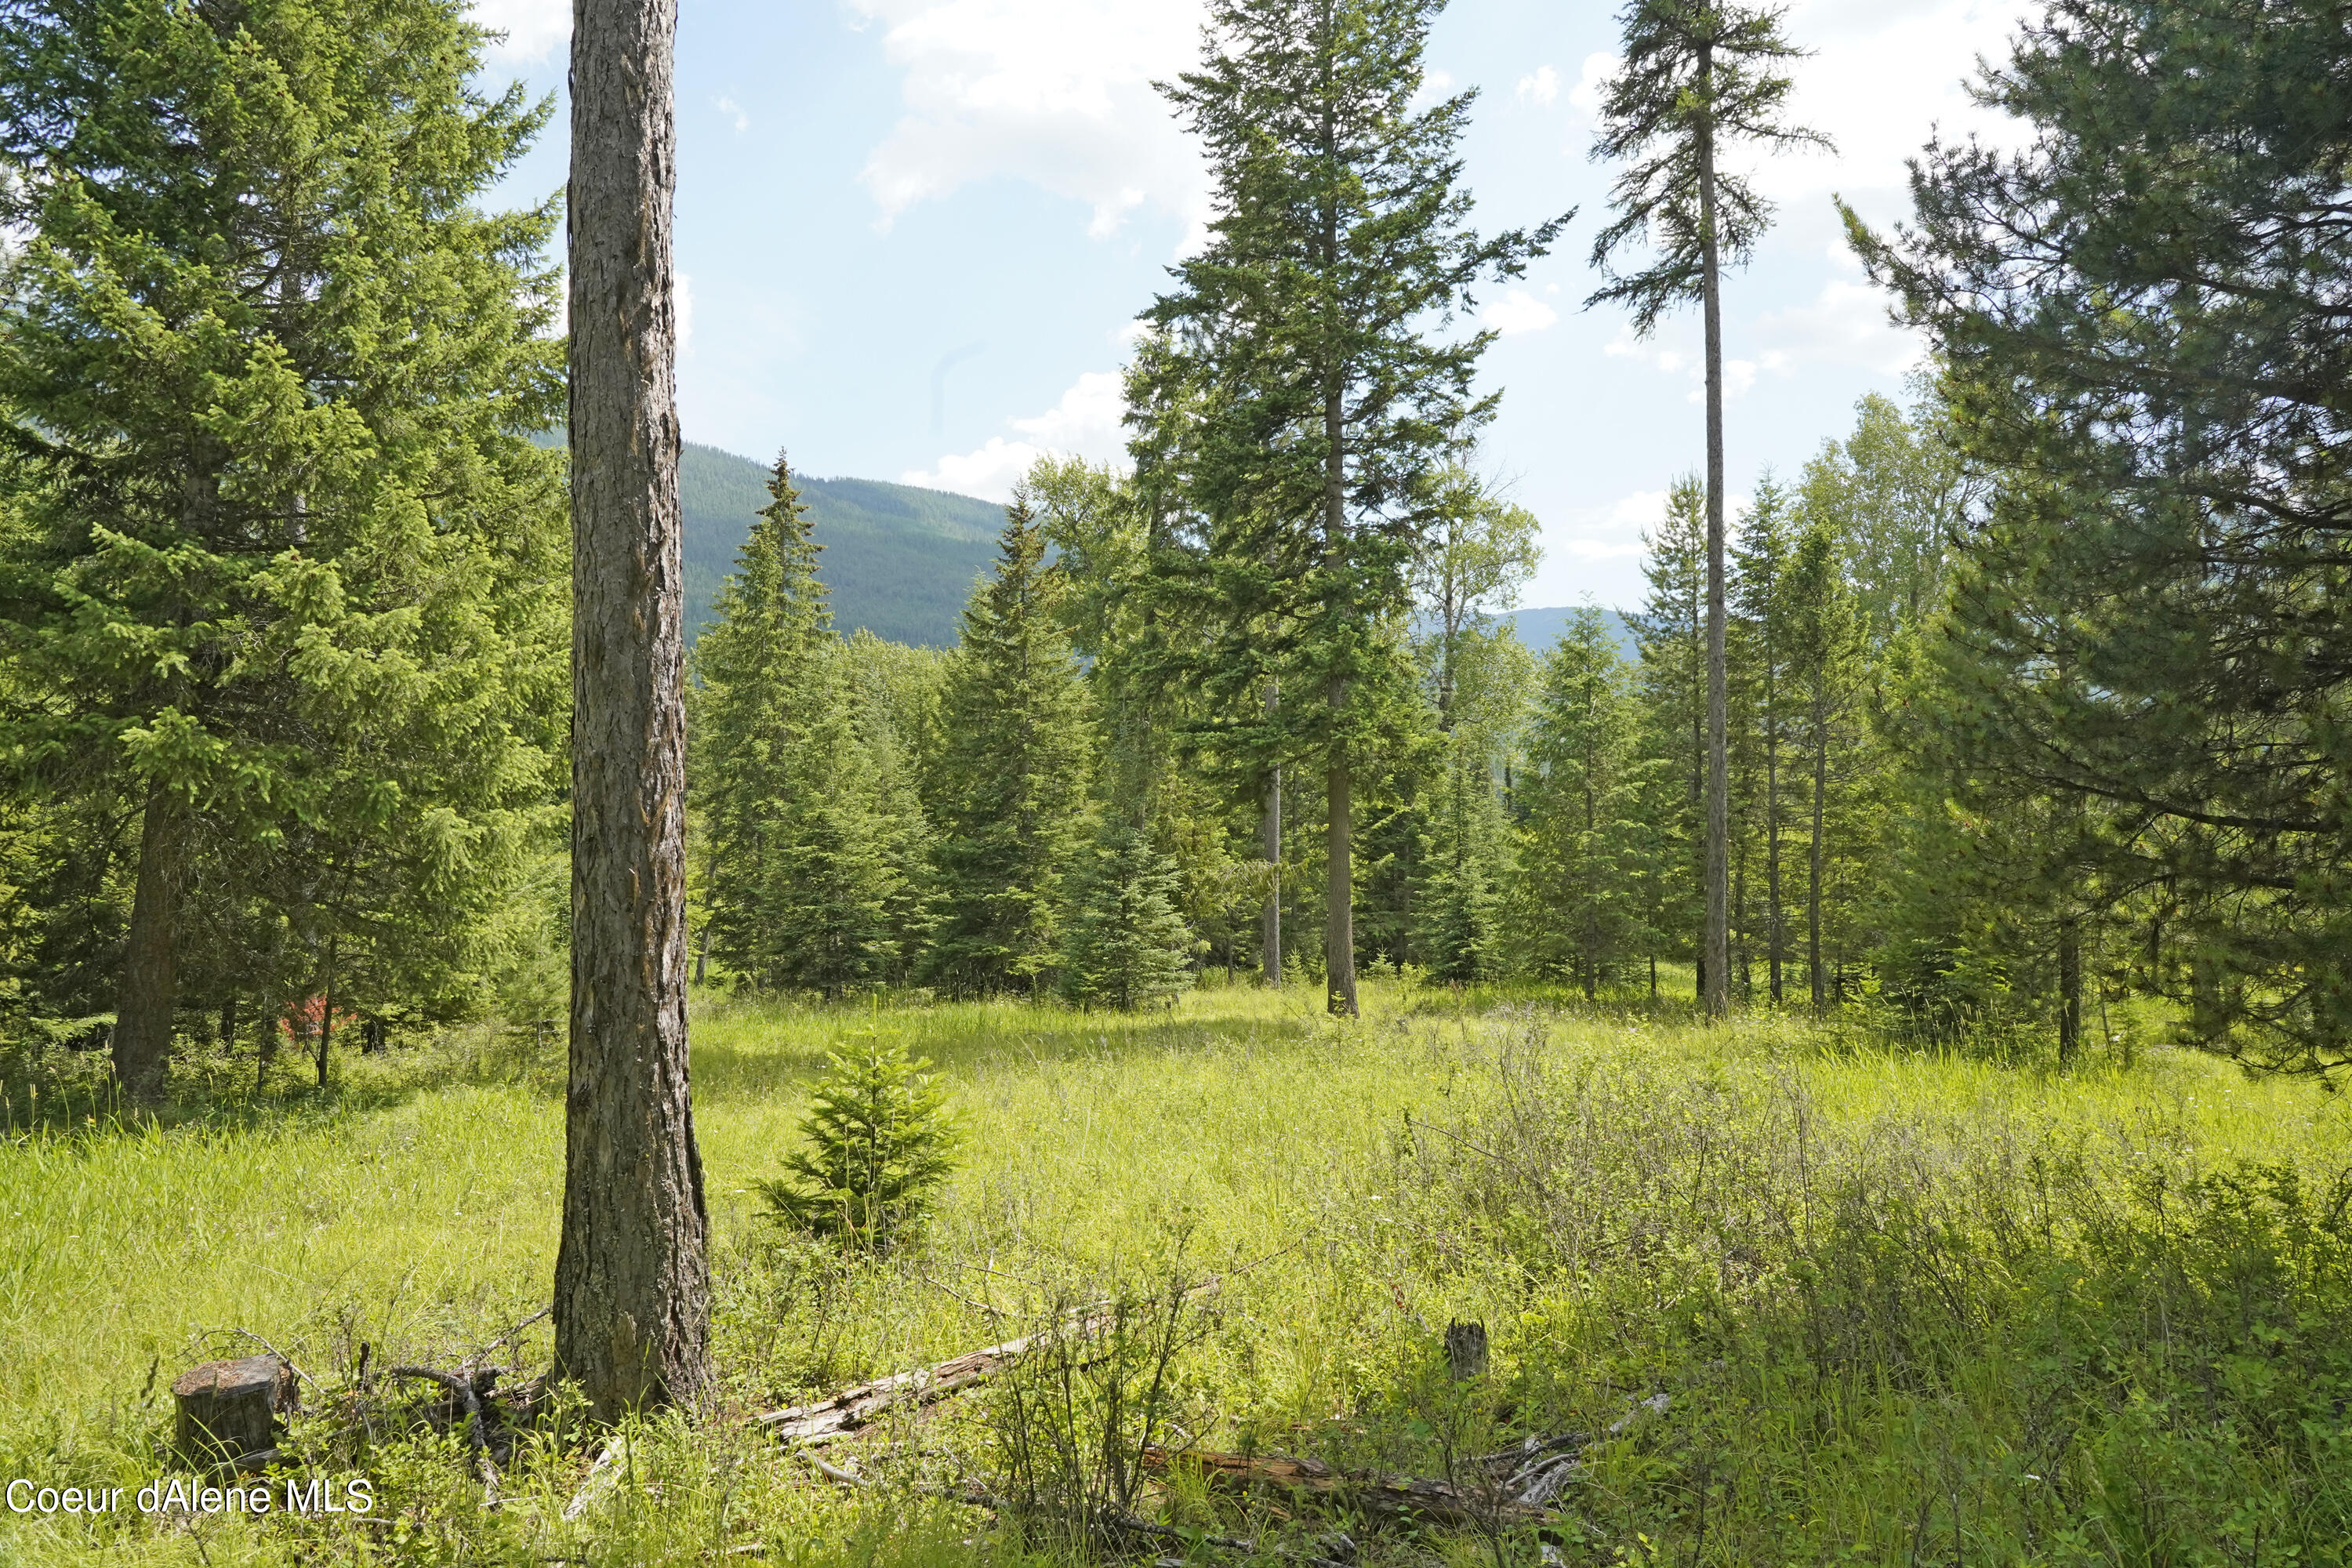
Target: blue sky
{"points": [[912, 235]]}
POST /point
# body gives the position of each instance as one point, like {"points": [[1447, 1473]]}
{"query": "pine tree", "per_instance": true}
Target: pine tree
{"points": [[2140, 317], [631, 1271], [1585, 853], [1127, 946], [1297, 390], [878, 1142], [285, 589], [1697, 74], [1007, 783]]}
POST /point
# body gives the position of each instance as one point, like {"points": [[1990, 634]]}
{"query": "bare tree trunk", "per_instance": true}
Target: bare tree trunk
{"points": [[1813, 870], [149, 984], [1339, 929], [1270, 921], [632, 1274], [1776, 917], [327, 1013], [2069, 990], [1339, 913], [1718, 962]]}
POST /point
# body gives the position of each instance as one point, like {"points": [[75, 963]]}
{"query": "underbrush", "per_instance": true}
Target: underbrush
{"points": [[1799, 1299]]}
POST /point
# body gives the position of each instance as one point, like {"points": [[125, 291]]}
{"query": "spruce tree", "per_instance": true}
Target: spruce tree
{"points": [[807, 807], [1697, 76], [1007, 785], [1585, 853], [1299, 389], [1759, 562], [285, 589], [1670, 633], [1126, 945]]}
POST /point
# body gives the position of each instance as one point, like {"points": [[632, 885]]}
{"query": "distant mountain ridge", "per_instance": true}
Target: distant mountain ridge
{"points": [[898, 561]]}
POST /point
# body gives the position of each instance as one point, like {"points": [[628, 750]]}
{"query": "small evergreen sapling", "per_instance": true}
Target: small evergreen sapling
{"points": [[877, 1140]]}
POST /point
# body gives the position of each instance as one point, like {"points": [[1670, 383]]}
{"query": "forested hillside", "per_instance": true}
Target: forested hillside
{"points": [[899, 561]]}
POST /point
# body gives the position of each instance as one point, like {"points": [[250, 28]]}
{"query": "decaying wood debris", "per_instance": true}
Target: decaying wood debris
{"points": [[1513, 1486], [840, 1415]]}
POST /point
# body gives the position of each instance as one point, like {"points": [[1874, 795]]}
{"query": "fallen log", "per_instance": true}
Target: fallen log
{"points": [[839, 1415], [1439, 1503]]}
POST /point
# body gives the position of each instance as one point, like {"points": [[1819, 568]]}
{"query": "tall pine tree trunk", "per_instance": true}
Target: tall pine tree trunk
{"points": [[1775, 918], [631, 1275], [1339, 924], [1717, 960], [149, 984], [2070, 989], [1813, 870], [1270, 920]]}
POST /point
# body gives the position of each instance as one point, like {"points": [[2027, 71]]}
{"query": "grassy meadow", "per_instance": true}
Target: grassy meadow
{"points": [[1811, 1300]]}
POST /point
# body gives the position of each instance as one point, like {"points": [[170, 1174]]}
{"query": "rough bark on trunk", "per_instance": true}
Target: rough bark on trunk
{"points": [[327, 1013], [1813, 854], [1339, 935], [1339, 926], [149, 984], [1776, 918], [1270, 920], [632, 1274], [1717, 996], [2069, 990]]}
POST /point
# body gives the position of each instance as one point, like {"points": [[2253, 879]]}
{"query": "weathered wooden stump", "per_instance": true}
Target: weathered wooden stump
{"points": [[229, 1409], [1465, 1349]]}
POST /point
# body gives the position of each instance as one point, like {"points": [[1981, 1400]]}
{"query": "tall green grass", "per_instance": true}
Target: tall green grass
{"points": [[1877, 1287]]}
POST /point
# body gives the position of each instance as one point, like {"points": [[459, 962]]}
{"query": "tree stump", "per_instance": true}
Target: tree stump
{"points": [[229, 1409], [1465, 1349]]}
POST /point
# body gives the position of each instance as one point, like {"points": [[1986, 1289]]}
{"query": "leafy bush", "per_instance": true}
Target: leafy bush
{"points": [[878, 1145]]}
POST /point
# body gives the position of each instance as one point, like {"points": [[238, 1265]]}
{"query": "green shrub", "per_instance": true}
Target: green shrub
{"points": [[878, 1145]]}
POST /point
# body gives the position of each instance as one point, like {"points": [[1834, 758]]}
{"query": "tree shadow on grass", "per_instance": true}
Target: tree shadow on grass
{"points": [[752, 1049]]}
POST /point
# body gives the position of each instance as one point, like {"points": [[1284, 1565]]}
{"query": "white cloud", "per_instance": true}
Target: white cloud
{"points": [[1516, 311], [1057, 92], [1846, 324], [989, 473], [1883, 76], [1540, 87], [1435, 86], [532, 28], [734, 110], [1084, 424], [1086, 421], [1592, 80]]}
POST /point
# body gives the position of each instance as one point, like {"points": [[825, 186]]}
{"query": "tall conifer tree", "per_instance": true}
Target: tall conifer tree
{"points": [[1299, 385], [1008, 779], [280, 607], [631, 1271], [1697, 76], [1584, 852]]}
